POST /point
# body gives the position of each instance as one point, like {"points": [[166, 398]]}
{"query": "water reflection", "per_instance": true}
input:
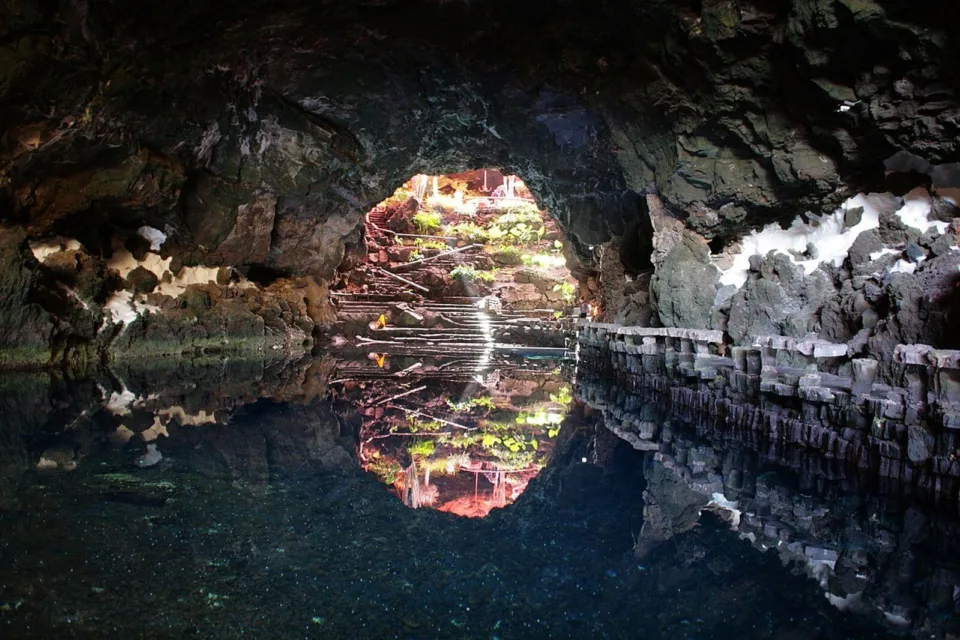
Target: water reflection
{"points": [[226, 499], [464, 447], [881, 548]]}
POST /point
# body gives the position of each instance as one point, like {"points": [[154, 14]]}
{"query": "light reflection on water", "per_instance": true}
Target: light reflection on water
{"points": [[252, 501], [462, 447]]}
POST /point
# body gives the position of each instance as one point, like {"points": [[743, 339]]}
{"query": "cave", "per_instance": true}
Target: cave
{"points": [[468, 318]]}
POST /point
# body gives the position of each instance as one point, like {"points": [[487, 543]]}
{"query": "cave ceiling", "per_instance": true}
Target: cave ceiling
{"points": [[203, 118]]}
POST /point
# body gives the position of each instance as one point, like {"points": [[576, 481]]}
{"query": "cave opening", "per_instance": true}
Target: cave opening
{"points": [[462, 278], [473, 234]]}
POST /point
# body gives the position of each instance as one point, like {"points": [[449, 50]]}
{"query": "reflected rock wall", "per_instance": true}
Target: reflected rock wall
{"points": [[844, 505]]}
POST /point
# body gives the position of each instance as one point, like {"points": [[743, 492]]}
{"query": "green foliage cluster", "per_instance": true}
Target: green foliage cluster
{"points": [[464, 406], [427, 222], [422, 448], [460, 439], [427, 243], [468, 232], [514, 442], [567, 290], [414, 256], [468, 274], [539, 418], [420, 426], [562, 396], [507, 255], [399, 196], [387, 469], [542, 260], [520, 225]]}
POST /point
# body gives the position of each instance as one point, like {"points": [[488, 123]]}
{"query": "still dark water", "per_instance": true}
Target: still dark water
{"points": [[225, 500]]}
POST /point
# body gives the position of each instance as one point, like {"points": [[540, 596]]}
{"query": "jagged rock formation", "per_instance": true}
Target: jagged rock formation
{"points": [[253, 135]]}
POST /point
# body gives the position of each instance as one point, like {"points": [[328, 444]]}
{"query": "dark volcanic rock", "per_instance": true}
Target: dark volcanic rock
{"points": [[686, 285], [142, 280], [921, 308], [26, 328], [781, 301]]}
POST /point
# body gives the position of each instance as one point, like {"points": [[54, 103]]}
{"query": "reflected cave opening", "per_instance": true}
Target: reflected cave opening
{"points": [[460, 443], [458, 311]]}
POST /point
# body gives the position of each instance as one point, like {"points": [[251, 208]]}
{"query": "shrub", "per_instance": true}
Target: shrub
{"points": [[426, 243], [422, 448], [522, 224], [427, 222], [468, 274], [543, 261], [567, 290], [562, 396], [473, 403], [468, 232], [387, 469], [507, 255]]}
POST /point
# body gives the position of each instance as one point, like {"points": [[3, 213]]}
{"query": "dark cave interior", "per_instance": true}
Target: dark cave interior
{"points": [[660, 293]]}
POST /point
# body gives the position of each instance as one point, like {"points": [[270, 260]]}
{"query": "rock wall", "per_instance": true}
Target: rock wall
{"points": [[871, 279], [254, 136]]}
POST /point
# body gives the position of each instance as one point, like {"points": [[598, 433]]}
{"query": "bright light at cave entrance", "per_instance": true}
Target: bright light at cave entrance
{"points": [[463, 294]]}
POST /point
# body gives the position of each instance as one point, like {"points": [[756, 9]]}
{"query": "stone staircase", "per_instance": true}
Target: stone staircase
{"points": [[455, 328]]}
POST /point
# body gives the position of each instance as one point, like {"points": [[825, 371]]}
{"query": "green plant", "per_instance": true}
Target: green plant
{"points": [[472, 403], [422, 448], [414, 256], [540, 418], [399, 196], [567, 290], [506, 255], [562, 396], [427, 243], [543, 261], [387, 469], [467, 273], [468, 232], [527, 211], [522, 224], [427, 222], [415, 425], [460, 439]]}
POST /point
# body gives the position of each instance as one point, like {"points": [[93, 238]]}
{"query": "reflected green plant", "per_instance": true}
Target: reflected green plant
{"points": [[539, 418], [422, 448], [562, 396], [387, 469], [470, 404]]}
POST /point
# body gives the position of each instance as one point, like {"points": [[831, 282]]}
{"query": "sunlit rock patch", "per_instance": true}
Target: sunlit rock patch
{"points": [[152, 303]]}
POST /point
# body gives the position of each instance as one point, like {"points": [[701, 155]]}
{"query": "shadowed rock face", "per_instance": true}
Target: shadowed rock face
{"points": [[328, 105], [254, 134]]}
